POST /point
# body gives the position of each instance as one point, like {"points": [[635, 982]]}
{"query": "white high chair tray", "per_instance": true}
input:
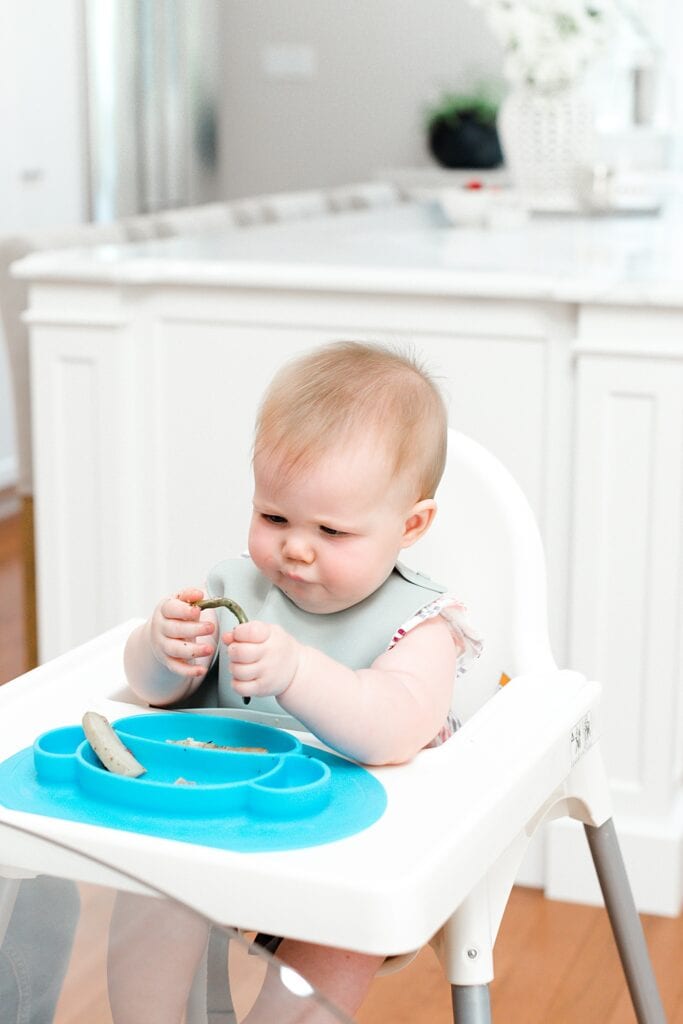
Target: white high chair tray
{"points": [[451, 813]]}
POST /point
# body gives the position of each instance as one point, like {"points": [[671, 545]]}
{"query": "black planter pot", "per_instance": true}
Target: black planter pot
{"points": [[465, 142]]}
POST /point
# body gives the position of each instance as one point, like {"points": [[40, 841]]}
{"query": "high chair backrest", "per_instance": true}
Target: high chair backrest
{"points": [[486, 548]]}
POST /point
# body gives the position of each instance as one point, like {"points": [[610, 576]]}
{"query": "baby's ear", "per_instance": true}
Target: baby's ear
{"points": [[418, 521]]}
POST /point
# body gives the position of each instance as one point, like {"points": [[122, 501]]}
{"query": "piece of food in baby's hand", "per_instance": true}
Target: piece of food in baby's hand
{"points": [[222, 602], [115, 757]]}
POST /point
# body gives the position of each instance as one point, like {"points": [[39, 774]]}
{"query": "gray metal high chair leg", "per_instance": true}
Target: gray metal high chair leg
{"points": [[464, 947], [219, 1008], [9, 888], [625, 922], [210, 1001], [471, 1004]]}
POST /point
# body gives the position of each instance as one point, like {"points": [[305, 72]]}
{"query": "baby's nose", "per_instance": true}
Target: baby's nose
{"points": [[298, 549]]}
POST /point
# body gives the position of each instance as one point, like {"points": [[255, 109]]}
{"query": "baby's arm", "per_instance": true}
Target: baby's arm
{"points": [[167, 657], [383, 714]]}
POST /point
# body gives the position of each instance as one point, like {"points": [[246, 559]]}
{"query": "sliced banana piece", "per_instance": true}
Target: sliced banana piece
{"points": [[115, 757]]}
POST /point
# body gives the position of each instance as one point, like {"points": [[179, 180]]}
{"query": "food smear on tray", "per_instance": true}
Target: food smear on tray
{"points": [[190, 741]]}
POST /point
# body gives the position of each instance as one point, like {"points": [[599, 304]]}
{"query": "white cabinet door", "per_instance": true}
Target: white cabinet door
{"points": [[626, 625], [212, 424], [146, 483], [628, 567]]}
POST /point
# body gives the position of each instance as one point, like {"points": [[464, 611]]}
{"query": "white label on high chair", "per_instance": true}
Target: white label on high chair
{"points": [[581, 738]]}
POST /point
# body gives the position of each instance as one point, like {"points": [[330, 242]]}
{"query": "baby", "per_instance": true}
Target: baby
{"points": [[349, 449]]}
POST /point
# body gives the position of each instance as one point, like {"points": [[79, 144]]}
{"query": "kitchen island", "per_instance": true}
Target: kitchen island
{"points": [[560, 344]]}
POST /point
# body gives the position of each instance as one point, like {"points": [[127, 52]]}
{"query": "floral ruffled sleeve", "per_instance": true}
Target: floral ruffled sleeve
{"points": [[467, 641]]}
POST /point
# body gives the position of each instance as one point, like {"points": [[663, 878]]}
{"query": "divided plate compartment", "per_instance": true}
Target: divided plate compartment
{"points": [[268, 776]]}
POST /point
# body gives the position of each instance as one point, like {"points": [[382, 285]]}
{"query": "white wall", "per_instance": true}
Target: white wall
{"points": [[367, 69], [42, 143], [376, 64], [41, 114]]}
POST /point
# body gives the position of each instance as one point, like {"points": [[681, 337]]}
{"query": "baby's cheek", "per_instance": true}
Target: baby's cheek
{"points": [[259, 556], [347, 571], [257, 541]]}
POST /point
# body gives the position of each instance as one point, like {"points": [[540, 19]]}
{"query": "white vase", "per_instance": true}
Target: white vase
{"points": [[547, 140]]}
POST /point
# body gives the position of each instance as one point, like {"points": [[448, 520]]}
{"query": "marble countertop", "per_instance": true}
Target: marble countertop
{"points": [[406, 249]]}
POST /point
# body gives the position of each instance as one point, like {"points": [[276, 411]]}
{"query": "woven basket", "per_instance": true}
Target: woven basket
{"points": [[547, 139]]}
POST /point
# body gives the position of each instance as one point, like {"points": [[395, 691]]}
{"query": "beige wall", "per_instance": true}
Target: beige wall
{"points": [[379, 62]]}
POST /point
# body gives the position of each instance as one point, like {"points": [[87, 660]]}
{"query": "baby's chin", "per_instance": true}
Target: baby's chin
{"points": [[320, 603]]}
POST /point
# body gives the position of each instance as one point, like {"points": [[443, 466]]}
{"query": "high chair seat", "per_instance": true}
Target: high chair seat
{"points": [[440, 862]]}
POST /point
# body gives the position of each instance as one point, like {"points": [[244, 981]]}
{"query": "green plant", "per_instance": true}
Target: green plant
{"points": [[480, 105]]}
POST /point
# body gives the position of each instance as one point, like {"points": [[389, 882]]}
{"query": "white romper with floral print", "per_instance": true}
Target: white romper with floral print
{"points": [[467, 642]]}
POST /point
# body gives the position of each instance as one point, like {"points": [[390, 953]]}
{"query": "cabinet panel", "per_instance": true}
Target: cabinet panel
{"points": [[178, 377], [85, 504], [627, 565], [208, 382]]}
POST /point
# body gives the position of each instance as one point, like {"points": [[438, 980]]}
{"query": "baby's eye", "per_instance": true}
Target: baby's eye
{"points": [[275, 520], [329, 532]]}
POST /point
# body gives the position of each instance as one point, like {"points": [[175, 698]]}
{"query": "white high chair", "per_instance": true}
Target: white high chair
{"points": [[440, 862]]}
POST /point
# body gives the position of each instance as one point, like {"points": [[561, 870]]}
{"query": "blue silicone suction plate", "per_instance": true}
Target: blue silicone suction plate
{"points": [[214, 780]]}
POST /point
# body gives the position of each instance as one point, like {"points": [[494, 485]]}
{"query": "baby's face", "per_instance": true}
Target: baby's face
{"points": [[329, 536]]}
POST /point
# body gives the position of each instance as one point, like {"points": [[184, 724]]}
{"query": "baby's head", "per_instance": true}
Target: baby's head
{"points": [[350, 447], [349, 394]]}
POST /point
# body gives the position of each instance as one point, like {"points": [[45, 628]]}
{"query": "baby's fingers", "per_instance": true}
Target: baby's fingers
{"points": [[253, 632], [186, 669], [183, 650], [179, 606], [179, 629], [244, 654]]}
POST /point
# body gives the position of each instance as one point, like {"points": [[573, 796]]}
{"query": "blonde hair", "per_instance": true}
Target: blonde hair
{"points": [[350, 389]]}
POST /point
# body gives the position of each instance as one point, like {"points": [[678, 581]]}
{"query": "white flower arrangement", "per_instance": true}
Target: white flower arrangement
{"points": [[548, 44]]}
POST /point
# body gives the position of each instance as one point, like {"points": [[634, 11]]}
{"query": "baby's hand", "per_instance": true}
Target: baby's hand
{"points": [[263, 659], [175, 630]]}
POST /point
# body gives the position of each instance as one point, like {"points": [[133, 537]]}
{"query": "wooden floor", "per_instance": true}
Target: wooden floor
{"points": [[555, 962], [12, 646]]}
